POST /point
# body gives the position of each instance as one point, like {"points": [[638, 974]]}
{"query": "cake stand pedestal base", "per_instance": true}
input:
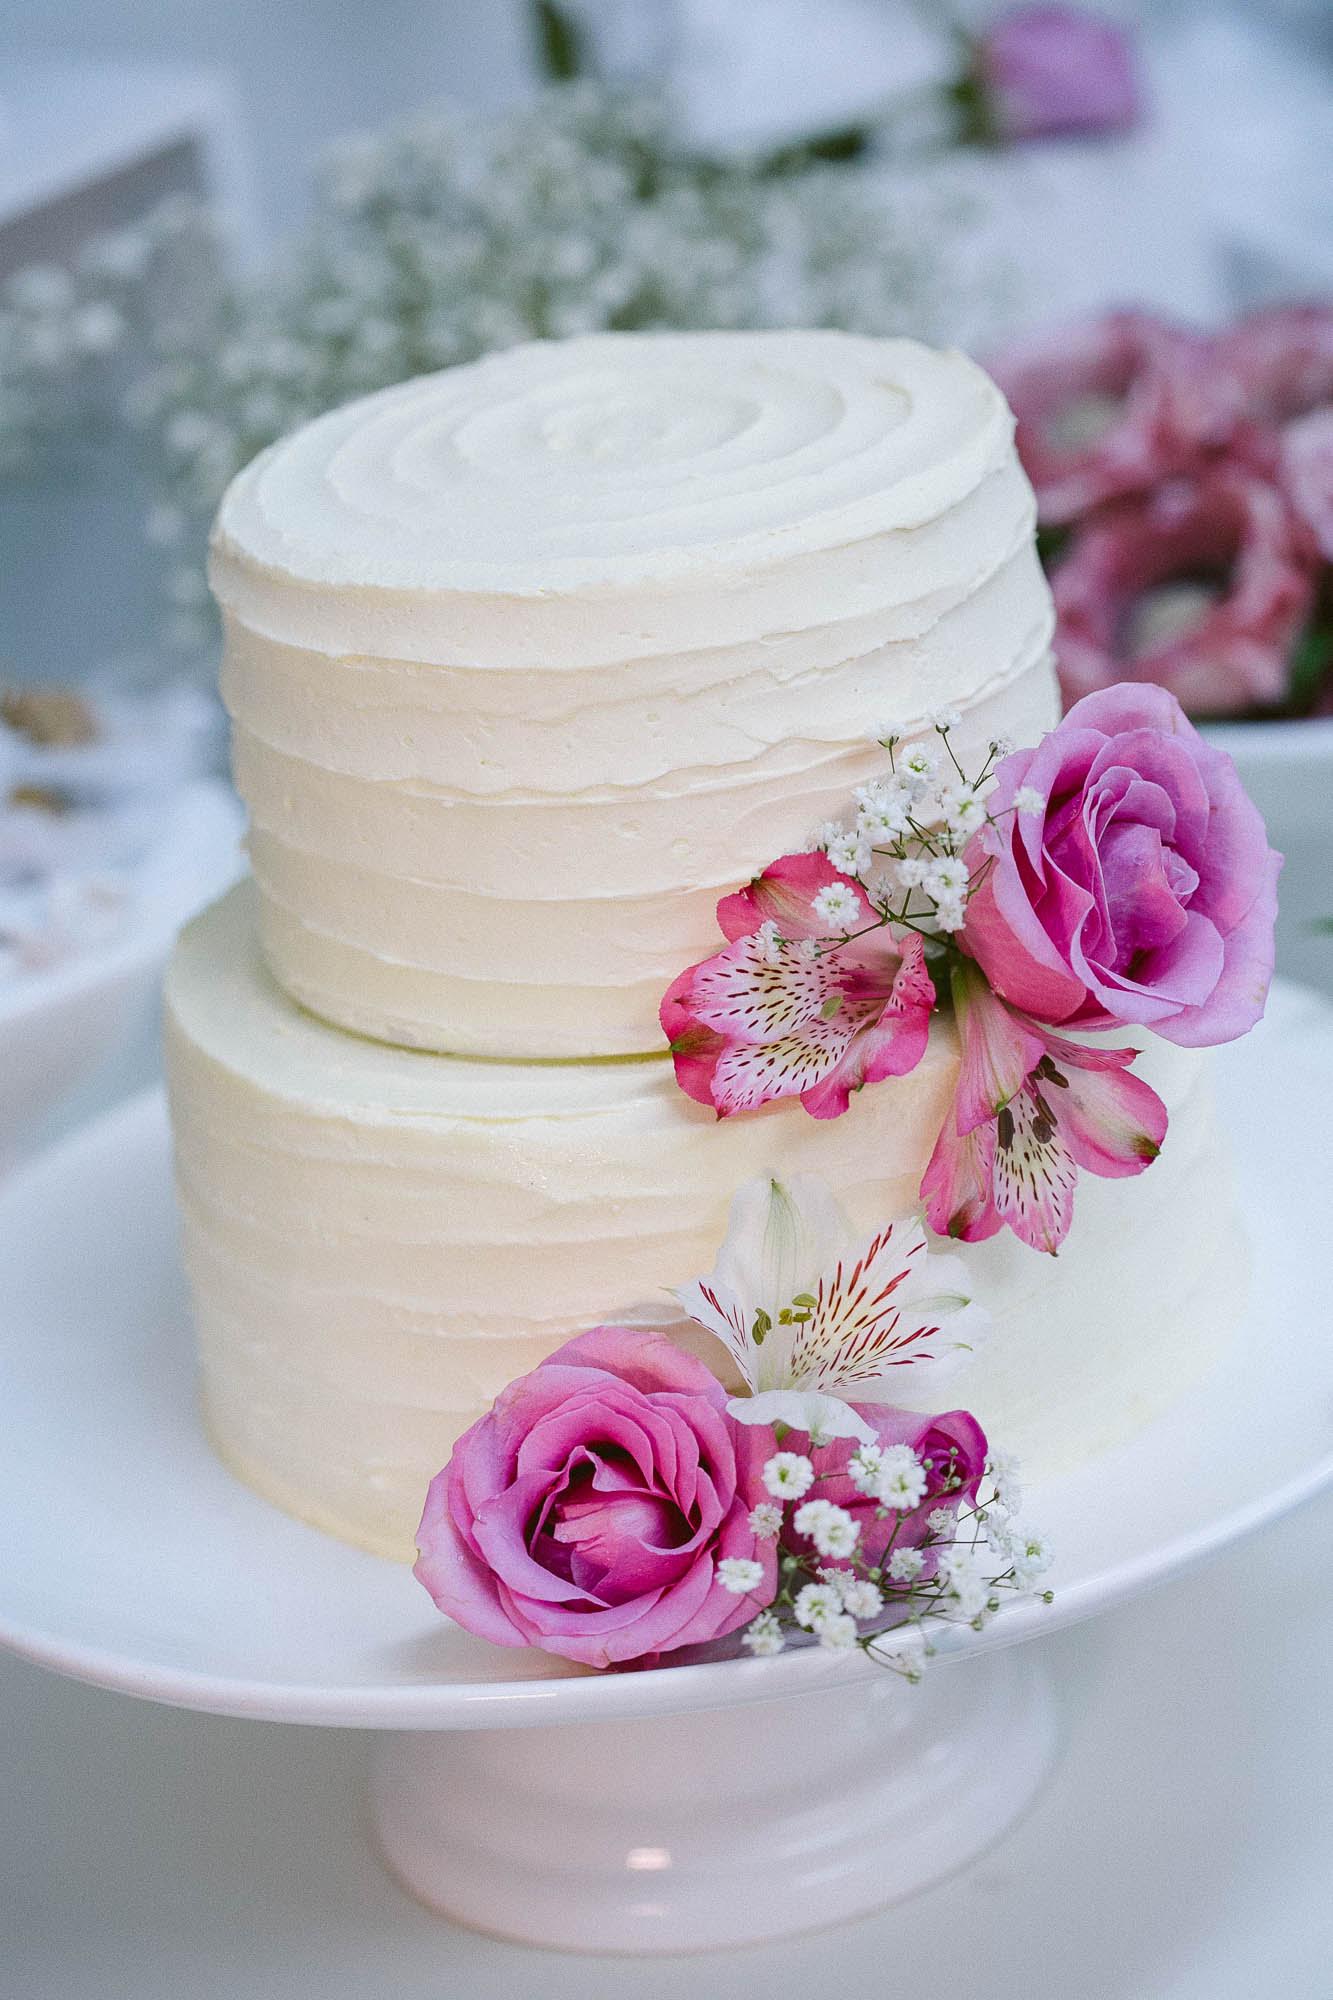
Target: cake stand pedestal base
{"points": [[687, 1832]]}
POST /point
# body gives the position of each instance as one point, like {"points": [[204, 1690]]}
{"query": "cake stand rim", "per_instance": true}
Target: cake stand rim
{"points": [[575, 1695]]}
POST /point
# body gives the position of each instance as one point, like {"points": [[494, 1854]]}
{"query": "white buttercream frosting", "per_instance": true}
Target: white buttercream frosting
{"points": [[532, 661], [379, 1239]]}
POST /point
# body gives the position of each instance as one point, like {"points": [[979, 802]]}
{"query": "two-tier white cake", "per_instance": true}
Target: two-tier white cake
{"points": [[529, 663]]}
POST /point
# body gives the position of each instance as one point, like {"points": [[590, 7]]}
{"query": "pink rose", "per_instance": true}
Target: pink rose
{"points": [[952, 1447], [588, 1510], [1130, 605], [1045, 71], [1111, 408], [1133, 882], [760, 1019]]}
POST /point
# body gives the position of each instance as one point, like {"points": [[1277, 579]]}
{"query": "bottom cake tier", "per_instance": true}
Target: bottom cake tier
{"points": [[378, 1239]]}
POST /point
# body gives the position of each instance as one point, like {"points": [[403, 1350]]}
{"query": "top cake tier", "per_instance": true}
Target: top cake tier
{"points": [[531, 661]]}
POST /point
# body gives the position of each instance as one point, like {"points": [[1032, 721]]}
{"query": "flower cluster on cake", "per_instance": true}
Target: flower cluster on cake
{"points": [[529, 664], [1116, 874]]}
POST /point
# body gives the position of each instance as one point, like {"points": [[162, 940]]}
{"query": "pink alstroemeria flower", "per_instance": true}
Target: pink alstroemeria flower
{"points": [[1031, 1109], [763, 1019]]}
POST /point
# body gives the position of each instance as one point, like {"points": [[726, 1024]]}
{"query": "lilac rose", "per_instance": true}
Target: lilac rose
{"points": [[1046, 71], [588, 1511], [1129, 877]]}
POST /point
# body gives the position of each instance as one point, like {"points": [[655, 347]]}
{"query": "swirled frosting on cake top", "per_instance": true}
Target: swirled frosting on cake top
{"points": [[621, 458], [531, 661]]}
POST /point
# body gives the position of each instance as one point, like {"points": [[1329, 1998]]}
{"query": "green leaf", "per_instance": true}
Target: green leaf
{"points": [[1311, 660], [562, 51]]}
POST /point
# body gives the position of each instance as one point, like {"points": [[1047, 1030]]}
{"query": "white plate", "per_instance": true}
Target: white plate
{"points": [[130, 1558], [58, 1024]]}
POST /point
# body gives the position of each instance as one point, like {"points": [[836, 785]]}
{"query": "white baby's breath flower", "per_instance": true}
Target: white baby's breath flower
{"points": [[1031, 1557], [862, 1599], [905, 1565], [946, 877], [902, 1479], [1002, 746], [883, 822], [165, 526], [1002, 1469], [739, 1575], [913, 870], [863, 1468], [766, 1520], [964, 809], [815, 1603], [1027, 799], [763, 1636], [883, 810], [836, 905], [769, 942], [830, 1527], [97, 328], [849, 852], [965, 1583], [950, 913], [838, 1634], [920, 763], [788, 1474], [944, 718], [808, 949], [830, 830], [999, 1532], [941, 1520]]}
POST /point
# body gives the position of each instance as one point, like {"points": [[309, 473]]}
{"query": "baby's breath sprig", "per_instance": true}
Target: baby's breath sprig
{"points": [[940, 1561], [908, 845]]}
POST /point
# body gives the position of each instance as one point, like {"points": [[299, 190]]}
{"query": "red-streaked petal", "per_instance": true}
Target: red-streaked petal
{"points": [[1035, 1174], [746, 999], [748, 1076]]}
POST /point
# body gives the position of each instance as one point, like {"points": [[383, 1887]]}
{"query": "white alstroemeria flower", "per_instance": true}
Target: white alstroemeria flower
{"points": [[816, 1316]]}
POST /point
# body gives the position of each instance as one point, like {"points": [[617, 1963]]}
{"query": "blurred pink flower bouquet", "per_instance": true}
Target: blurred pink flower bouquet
{"points": [[1185, 492]]}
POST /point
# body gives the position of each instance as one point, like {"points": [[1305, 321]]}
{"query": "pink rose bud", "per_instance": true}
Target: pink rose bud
{"points": [[1048, 71], [588, 1511]]}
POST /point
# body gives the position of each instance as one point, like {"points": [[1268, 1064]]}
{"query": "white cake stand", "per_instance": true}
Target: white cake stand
{"points": [[679, 1809]]}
